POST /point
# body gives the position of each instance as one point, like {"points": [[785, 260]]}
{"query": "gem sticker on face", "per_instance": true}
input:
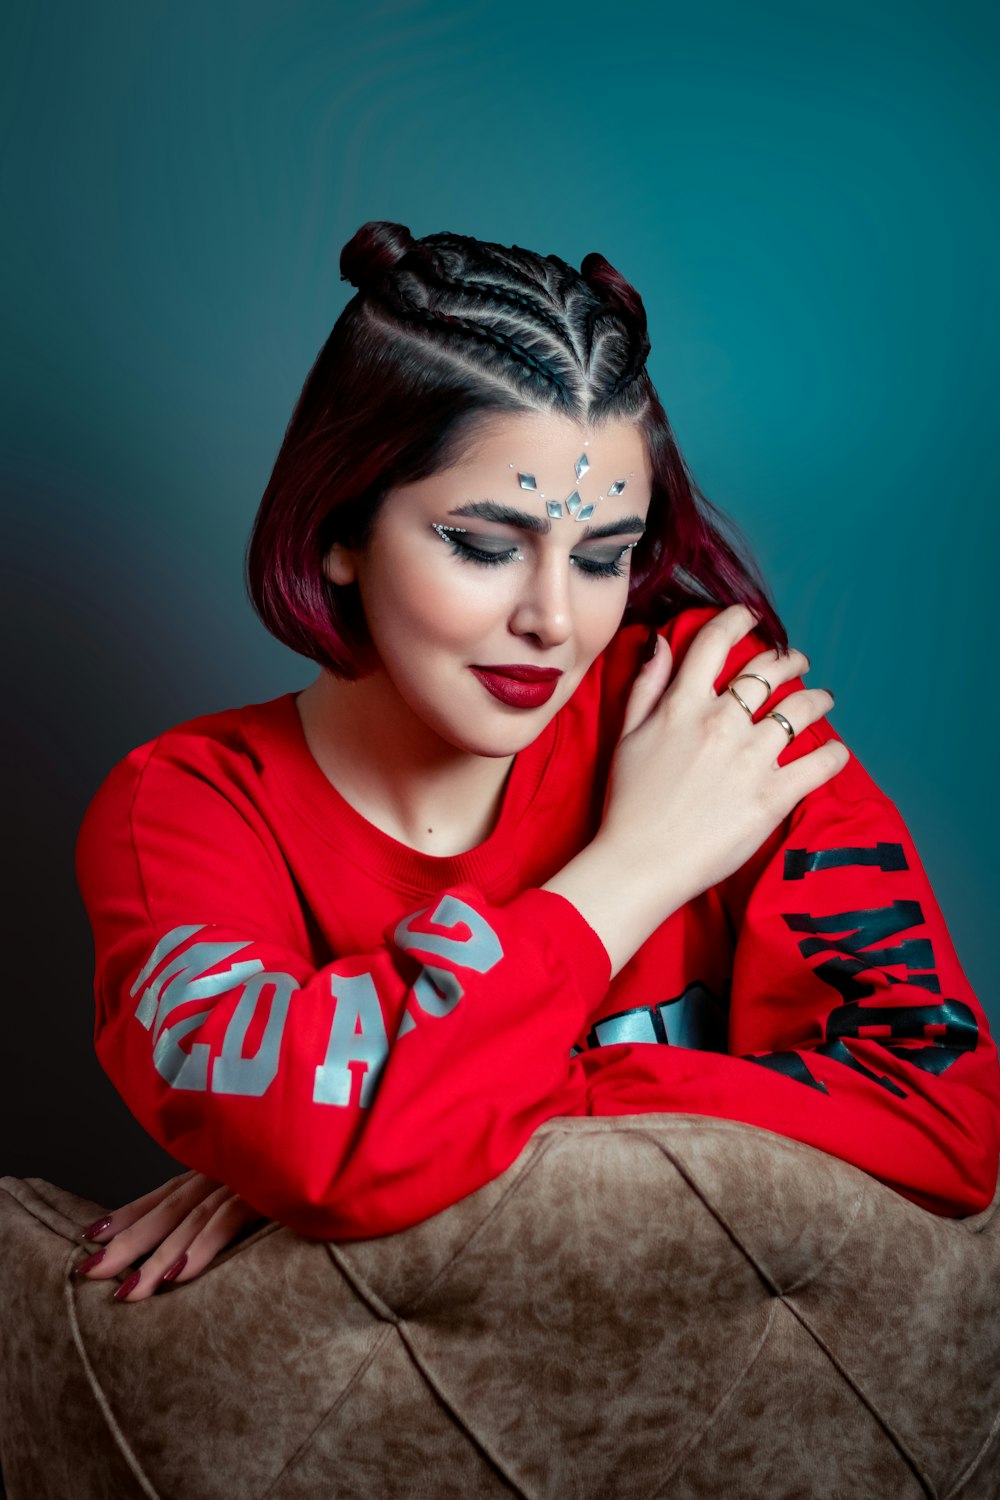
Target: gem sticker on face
{"points": [[573, 502]]}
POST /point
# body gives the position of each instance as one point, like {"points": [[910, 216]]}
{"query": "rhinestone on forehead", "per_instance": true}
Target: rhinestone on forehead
{"points": [[574, 501]]}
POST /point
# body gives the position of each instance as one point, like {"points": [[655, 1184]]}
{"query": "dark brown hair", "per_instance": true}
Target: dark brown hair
{"points": [[442, 332]]}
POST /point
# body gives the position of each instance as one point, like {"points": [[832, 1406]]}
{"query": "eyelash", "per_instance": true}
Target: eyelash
{"points": [[473, 555]]}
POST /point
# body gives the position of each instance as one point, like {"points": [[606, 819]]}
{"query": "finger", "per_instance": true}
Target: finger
{"points": [[802, 708], [776, 669], [809, 772], [195, 1244], [120, 1218], [647, 687], [145, 1233], [169, 1246], [230, 1218], [706, 656]]}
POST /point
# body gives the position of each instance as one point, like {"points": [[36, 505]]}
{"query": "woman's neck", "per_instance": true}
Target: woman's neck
{"points": [[395, 771]]}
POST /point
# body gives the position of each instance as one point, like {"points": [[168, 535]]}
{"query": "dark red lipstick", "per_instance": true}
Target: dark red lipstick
{"points": [[517, 685]]}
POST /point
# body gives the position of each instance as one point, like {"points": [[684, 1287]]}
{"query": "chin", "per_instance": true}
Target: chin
{"points": [[482, 734], [494, 742]]}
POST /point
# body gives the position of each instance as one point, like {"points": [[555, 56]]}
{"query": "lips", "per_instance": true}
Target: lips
{"points": [[523, 673], [519, 686]]}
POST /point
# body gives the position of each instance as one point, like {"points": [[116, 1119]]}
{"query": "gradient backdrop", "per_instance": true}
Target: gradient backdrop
{"points": [[806, 196]]}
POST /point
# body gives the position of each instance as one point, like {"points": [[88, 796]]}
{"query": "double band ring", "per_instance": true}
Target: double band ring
{"points": [[739, 678], [774, 714]]}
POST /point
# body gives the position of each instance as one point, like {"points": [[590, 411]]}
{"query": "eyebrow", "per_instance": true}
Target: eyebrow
{"points": [[506, 515]]}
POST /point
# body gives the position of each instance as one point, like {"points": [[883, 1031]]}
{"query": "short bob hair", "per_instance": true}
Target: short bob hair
{"points": [[444, 332]]}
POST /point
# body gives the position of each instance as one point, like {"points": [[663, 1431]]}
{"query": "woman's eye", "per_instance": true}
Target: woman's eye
{"points": [[470, 553], [606, 567], [498, 555]]}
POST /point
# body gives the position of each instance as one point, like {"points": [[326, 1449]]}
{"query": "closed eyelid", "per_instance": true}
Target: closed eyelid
{"points": [[591, 562], [611, 542], [497, 546]]}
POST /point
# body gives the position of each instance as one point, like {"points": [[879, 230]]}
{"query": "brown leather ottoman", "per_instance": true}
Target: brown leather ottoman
{"points": [[642, 1307]]}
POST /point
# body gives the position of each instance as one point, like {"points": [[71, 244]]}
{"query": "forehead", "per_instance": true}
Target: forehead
{"points": [[548, 446]]}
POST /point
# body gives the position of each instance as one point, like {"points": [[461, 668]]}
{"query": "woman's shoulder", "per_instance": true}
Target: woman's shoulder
{"points": [[222, 749]]}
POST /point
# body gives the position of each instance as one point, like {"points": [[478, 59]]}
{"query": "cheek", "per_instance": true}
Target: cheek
{"points": [[435, 604], [600, 613]]}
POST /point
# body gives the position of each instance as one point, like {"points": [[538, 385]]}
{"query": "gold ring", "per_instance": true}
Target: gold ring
{"points": [[759, 678], [741, 701], [774, 714]]}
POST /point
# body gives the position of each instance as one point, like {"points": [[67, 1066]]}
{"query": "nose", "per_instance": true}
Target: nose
{"points": [[542, 610]]}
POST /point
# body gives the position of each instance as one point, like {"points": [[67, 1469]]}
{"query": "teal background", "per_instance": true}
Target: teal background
{"points": [[805, 197]]}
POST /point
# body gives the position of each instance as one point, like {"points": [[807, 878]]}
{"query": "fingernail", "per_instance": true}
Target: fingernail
{"points": [[175, 1269], [127, 1286], [98, 1227], [89, 1263], [652, 641]]}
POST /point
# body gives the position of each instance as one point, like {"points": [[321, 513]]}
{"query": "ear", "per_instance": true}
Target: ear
{"points": [[339, 564]]}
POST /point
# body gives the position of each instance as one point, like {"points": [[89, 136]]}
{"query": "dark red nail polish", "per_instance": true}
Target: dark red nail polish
{"points": [[90, 1262], [649, 650], [127, 1286], [175, 1269], [98, 1227]]}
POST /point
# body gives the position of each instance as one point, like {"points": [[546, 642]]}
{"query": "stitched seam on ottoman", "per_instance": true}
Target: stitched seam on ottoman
{"points": [[897, 1441], [926, 1483], [103, 1403], [72, 1237], [702, 1432], [512, 1187], [359, 1286], [382, 1310], [463, 1426], [719, 1216], [392, 1321], [362, 1369], [806, 1280], [970, 1469]]}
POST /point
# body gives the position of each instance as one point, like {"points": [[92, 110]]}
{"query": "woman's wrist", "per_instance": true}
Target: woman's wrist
{"points": [[622, 901]]}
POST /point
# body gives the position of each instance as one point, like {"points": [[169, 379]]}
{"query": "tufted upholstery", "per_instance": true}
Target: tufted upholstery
{"points": [[656, 1306]]}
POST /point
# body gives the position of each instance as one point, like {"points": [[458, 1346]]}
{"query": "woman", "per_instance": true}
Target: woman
{"points": [[513, 854]]}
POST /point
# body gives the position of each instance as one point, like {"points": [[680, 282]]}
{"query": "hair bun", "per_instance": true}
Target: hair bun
{"points": [[612, 286], [373, 251]]}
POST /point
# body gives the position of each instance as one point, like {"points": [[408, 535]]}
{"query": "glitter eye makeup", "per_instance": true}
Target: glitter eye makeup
{"points": [[463, 549], [489, 558]]}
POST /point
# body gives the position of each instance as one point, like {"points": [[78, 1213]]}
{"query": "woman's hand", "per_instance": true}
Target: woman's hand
{"points": [[180, 1226], [694, 786]]}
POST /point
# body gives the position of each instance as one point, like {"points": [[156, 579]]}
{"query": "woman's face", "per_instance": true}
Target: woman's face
{"points": [[466, 572]]}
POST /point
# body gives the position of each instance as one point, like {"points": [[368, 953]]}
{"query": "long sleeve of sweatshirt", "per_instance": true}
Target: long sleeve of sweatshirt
{"points": [[345, 1100], [851, 1024]]}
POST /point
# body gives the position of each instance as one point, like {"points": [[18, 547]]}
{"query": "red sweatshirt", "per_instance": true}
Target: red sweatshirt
{"points": [[353, 1035]]}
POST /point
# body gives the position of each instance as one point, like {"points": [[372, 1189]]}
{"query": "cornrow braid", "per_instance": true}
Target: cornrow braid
{"points": [[520, 300], [405, 306], [634, 368]]}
